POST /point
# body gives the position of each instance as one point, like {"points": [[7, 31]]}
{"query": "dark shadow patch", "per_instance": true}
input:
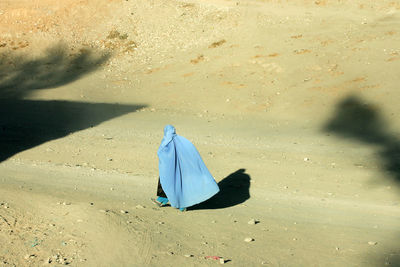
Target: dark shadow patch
{"points": [[234, 190], [359, 121], [27, 123], [19, 74], [24, 123], [356, 120]]}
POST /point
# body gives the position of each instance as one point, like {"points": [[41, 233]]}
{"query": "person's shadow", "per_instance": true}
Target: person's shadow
{"points": [[234, 190]]}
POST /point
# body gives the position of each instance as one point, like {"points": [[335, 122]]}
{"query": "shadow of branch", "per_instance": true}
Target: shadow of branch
{"points": [[361, 122], [24, 123], [19, 74]]}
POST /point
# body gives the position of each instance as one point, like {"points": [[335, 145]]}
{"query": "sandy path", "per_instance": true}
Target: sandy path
{"points": [[294, 229]]}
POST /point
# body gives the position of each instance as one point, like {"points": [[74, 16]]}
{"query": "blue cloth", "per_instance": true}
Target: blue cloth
{"points": [[184, 177]]}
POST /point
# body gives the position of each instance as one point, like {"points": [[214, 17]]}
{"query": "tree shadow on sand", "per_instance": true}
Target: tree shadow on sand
{"points": [[20, 74], [359, 121], [27, 123], [362, 122], [234, 190]]}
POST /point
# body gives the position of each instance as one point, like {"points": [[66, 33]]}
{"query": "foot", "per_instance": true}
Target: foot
{"points": [[160, 201]]}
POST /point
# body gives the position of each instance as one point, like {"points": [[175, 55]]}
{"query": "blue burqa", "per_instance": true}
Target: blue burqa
{"points": [[184, 177]]}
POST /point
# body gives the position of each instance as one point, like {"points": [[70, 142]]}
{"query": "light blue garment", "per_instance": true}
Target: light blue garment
{"points": [[184, 177]]}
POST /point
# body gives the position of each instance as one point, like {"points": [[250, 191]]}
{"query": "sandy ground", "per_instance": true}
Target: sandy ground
{"points": [[292, 104]]}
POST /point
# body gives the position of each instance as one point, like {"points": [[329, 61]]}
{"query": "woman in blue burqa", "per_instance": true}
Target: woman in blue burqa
{"points": [[184, 178]]}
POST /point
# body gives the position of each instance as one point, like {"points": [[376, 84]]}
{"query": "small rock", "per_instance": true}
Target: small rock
{"points": [[30, 256], [66, 203], [337, 248], [140, 207], [372, 243], [188, 255], [103, 211], [213, 221], [306, 159], [248, 239], [253, 221], [123, 211]]}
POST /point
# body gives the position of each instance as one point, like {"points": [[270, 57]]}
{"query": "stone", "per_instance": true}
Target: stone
{"points": [[253, 221], [248, 239], [372, 243], [30, 256]]}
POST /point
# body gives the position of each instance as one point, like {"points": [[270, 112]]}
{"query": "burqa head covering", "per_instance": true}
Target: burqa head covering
{"points": [[184, 177]]}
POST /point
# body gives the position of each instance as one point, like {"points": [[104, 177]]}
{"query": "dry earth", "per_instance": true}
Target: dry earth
{"points": [[292, 104]]}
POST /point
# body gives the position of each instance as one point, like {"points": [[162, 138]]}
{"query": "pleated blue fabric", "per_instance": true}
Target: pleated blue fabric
{"points": [[184, 177]]}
